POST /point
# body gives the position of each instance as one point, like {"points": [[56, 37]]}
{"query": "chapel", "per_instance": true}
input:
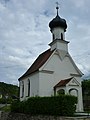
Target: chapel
{"points": [[54, 71]]}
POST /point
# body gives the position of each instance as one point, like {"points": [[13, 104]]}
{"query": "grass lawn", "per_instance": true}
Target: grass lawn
{"points": [[6, 108]]}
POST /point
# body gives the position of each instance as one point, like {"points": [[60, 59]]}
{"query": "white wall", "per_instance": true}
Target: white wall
{"points": [[62, 70], [34, 84], [46, 84], [57, 32], [59, 44]]}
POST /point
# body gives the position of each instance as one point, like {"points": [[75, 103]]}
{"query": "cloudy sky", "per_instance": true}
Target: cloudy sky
{"points": [[24, 33]]}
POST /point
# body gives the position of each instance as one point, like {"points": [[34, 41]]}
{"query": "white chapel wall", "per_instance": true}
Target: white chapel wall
{"points": [[45, 84], [62, 70], [34, 84]]}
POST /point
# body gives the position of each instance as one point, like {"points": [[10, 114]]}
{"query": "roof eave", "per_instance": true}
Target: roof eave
{"points": [[23, 77]]}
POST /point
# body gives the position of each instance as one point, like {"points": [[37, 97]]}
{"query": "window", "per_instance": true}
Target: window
{"points": [[61, 36], [28, 87], [22, 89], [53, 37]]}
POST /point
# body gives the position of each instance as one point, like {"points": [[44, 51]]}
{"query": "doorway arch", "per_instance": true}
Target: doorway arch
{"points": [[73, 91], [61, 92]]}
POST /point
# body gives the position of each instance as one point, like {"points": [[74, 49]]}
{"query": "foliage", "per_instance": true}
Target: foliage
{"points": [[86, 87], [7, 90], [86, 94], [59, 105]]}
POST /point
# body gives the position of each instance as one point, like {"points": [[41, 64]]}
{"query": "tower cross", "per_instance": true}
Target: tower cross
{"points": [[57, 7]]}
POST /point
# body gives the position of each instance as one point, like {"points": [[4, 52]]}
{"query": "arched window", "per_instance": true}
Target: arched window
{"points": [[61, 36], [28, 87], [61, 92], [22, 89], [73, 91], [53, 37]]}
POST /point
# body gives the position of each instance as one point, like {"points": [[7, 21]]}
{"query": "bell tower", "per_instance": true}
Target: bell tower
{"points": [[58, 28]]}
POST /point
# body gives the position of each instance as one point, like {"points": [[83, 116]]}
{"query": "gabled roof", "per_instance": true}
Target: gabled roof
{"points": [[63, 82], [42, 58]]}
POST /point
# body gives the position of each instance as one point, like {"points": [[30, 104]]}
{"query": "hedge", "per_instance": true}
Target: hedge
{"points": [[63, 105]]}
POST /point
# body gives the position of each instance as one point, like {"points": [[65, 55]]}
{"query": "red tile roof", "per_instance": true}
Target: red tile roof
{"points": [[42, 58], [63, 82]]}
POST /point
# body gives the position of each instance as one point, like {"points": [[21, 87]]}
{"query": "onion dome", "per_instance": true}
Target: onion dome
{"points": [[58, 22]]}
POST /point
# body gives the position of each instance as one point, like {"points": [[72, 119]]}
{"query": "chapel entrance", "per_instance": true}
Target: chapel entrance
{"points": [[61, 92], [70, 86], [74, 92]]}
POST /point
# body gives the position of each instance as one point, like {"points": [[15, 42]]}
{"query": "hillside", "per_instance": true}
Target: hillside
{"points": [[8, 90]]}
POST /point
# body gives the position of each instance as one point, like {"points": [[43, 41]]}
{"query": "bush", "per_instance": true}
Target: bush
{"points": [[61, 105], [4, 100]]}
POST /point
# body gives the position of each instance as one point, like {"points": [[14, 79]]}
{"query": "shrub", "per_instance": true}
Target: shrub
{"points": [[2, 101], [59, 105]]}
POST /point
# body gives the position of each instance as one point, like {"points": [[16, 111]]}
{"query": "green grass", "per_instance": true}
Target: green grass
{"points": [[6, 108]]}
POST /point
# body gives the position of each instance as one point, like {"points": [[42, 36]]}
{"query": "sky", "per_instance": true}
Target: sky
{"points": [[24, 34]]}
